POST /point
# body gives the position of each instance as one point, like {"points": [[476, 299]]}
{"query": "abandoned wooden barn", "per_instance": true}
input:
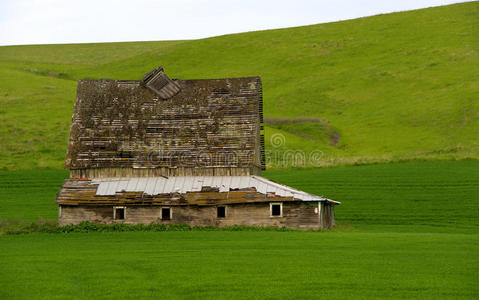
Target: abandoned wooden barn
{"points": [[176, 151]]}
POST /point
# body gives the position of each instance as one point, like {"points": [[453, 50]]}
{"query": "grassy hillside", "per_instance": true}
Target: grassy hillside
{"points": [[406, 230], [389, 87]]}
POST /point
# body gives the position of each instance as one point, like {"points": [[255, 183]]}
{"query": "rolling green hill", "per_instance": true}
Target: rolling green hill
{"points": [[385, 88]]}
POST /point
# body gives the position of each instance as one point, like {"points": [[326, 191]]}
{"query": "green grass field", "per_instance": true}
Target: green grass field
{"points": [[243, 265], [385, 88], [405, 230]]}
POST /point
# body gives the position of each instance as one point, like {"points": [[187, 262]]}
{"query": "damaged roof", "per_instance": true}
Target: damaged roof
{"points": [[185, 184], [161, 122], [180, 190]]}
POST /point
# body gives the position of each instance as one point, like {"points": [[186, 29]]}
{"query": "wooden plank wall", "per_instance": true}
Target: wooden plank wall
{"points": [[295, 215], [155, 172], [327, 215]]}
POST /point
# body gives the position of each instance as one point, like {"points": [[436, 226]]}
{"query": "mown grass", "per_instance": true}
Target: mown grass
{"points": [[394, 87], [406, 230], [239, 265], [27, 196]]}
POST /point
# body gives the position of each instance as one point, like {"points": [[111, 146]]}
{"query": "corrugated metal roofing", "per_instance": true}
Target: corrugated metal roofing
{"points": [[184, 184]]}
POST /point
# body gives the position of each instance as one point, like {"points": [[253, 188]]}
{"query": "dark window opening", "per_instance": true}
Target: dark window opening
{"points": [[165, 213], [119, 213], [276, 209], [221, 211]]}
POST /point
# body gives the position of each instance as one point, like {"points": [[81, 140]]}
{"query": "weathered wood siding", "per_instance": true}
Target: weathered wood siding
{"points": [[327, 215], [148, 172], [300, 215]]}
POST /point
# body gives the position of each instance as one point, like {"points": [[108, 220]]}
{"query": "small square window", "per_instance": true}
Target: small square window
{"points": [[166, 213], [119, 213], [221, 211], [276, 209]]}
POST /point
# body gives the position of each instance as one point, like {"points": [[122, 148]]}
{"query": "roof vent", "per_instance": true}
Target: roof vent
{"points": [[160, 84]]}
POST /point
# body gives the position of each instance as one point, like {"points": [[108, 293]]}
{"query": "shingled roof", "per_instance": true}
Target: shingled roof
{"points": [[162, 122]]}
